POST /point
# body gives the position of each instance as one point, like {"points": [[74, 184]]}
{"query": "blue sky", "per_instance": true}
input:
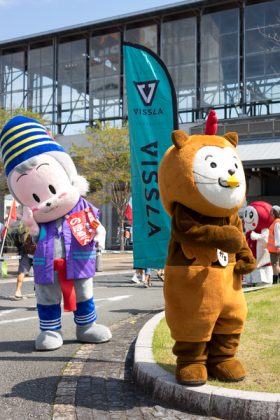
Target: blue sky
{"points": [[20, 18]]}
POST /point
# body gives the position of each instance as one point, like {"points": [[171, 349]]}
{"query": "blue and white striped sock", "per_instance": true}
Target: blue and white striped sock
{"points": [[85, 313], [50, 316]]}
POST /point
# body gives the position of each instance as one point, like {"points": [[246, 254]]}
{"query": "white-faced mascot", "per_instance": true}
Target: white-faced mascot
{"points": [[43, 179], [202, 187], [257, 219]]}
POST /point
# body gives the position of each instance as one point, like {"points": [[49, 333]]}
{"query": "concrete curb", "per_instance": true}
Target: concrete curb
{"points": [[205, 400]]}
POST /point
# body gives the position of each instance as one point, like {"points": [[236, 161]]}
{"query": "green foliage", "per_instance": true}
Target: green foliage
{"points": [[106, 165], [6, 115]]}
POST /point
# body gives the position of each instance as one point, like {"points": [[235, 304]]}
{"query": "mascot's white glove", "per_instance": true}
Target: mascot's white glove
{"points": [[255, 236], [29, 221], [100, 237]]}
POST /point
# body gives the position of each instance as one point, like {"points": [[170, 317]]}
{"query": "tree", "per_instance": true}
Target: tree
{"points": [[5, 116], [106, 165]]}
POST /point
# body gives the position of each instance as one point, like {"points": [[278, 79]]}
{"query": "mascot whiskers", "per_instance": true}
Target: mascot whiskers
{"points": [[43, 179], [202, 186]]}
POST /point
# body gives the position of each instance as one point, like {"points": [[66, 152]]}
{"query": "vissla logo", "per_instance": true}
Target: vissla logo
{"points": [[147, 91]]}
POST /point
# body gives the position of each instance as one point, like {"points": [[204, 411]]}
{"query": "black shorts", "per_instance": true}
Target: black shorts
{"points": [[25, 263]]}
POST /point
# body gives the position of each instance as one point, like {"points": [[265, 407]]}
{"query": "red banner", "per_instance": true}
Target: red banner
{"points": [[12, 217], [83, 225]]}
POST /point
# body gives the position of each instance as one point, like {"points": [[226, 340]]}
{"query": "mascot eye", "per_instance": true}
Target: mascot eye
{"points": [[36, 198], [213, 165], [251, 214], [236, 165], [52, 189]]}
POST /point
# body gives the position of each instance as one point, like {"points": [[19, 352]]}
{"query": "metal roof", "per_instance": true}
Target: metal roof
{"points": [[111, 20], [263, 153]]}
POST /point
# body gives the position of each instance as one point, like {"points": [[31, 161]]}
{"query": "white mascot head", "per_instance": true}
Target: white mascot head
{"points": [[40, 174]]}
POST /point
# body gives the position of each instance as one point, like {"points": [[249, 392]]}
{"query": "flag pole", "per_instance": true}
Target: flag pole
{"points": [[6, 228]]}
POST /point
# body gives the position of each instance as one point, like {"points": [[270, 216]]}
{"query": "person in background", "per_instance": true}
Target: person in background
{"points": [[160, 274], [273, 244], [148, 277], [138, 276], [26, 249], [145, 276]]}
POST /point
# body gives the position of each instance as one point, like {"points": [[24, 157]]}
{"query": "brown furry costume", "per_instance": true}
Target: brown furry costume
{"points": [[205, 305]]}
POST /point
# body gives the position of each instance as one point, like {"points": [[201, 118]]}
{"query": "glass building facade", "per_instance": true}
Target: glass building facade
{"points": [[220, 54]]}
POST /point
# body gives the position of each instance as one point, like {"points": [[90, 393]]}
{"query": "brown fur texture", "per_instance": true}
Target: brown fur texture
{"points": [[199, 236], [202, 298], [176, 180]]}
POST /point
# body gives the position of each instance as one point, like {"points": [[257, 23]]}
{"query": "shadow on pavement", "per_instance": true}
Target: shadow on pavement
{"points": [[39, 389], [136, 311], [28, 347]]}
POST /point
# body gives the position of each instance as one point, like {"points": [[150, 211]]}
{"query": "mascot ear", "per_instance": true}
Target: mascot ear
{"points": [[232, 138], [179, 138], [81, 184]]}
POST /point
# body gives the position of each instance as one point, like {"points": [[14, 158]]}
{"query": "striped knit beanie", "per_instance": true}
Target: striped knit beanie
{"points": [[23, 138]]}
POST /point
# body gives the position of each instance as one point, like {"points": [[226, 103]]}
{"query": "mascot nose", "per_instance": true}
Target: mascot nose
{"points": [[48, 204], [232, 181], [231, 171]]}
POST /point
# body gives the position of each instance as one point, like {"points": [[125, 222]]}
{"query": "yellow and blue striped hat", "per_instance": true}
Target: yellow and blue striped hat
{"points": [[23, 138]]}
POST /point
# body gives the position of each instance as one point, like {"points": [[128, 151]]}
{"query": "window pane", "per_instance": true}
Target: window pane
{"points": [[179, 54], [41, 79], [105, 76], [72, 59], [14, 83], [146, 36], [220, 58], [262, 51]]}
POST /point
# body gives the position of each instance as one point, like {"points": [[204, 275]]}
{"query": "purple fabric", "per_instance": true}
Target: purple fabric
{"points": [[80, 260]]}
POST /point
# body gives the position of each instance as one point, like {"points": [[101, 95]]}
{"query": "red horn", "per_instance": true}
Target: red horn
{"points": [[211, 123]]}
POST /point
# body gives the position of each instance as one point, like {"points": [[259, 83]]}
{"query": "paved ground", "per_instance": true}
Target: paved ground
{"points": [[98, 383]]}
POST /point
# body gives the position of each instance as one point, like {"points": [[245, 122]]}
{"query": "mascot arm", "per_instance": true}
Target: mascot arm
{"points": [[255, 236], [187, 230], [100, 237], [245, 262], [261, 237], [29, 221], [100, 232]]}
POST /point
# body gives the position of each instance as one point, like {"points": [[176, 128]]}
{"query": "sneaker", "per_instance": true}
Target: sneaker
{"points": [[135, 279]]}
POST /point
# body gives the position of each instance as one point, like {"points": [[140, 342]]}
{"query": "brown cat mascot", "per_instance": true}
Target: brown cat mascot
{"points": [[202, 186]]}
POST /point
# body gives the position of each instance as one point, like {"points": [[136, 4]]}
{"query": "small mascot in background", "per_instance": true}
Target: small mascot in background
{"points": [[202, 186], [257, 219], [43, 178]]}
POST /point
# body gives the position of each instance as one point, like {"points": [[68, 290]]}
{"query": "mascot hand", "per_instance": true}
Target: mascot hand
{"points": [[230, 239], [255, 236], [204, 257], [29, 221], [244, 266], [100, 237]]}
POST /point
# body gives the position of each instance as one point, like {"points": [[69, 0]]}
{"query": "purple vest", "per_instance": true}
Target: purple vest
{"points": [[80, 260]]}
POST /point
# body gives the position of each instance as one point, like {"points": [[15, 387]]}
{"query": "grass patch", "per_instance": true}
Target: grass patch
{"points": [[259, 349]]}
